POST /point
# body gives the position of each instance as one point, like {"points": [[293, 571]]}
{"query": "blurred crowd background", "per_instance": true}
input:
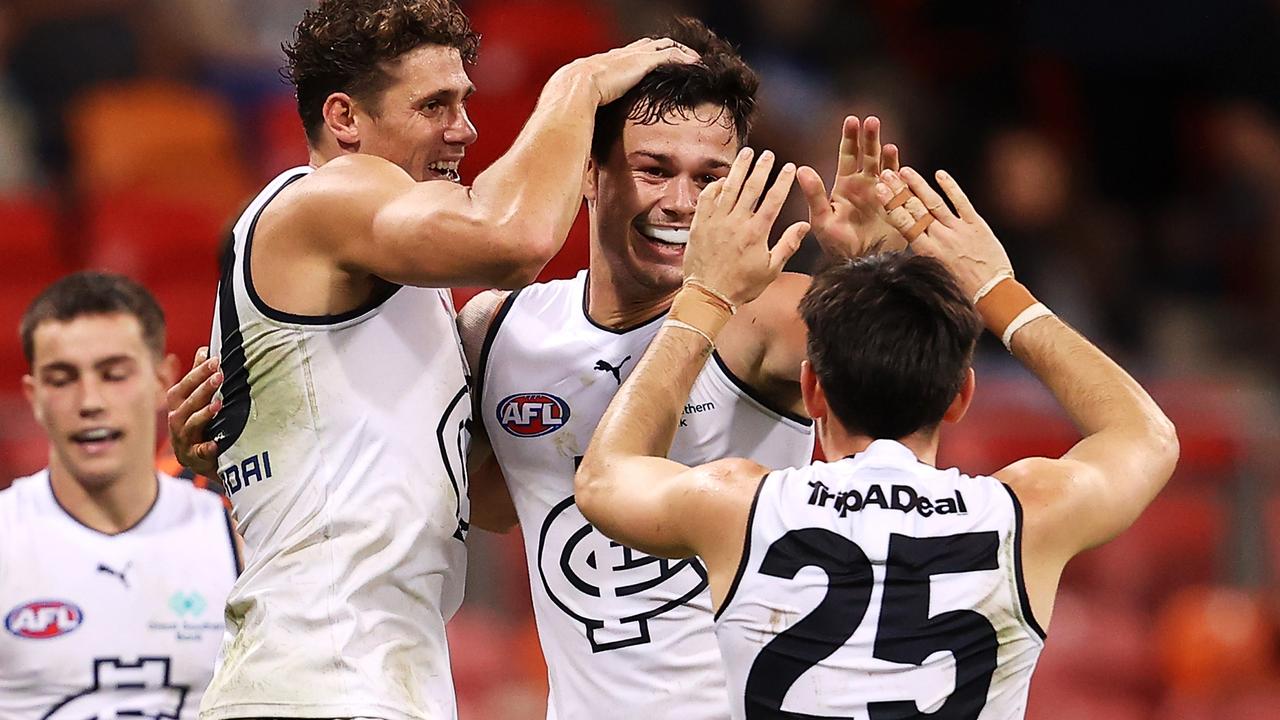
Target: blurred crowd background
{"points": [[1128, 154]]}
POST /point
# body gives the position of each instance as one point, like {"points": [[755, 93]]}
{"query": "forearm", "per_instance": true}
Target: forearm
{"points": [[643, 418], [1125, 431], [533, 192]]}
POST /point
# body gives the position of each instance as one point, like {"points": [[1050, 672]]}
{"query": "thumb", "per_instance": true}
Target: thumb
{"points": [[815, 193], [787, 246]]}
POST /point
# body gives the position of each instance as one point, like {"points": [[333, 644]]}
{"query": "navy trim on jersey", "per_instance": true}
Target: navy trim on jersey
{"points": [[1023, 599], [48, 477], [227, 426], [755, 395], [236, 562], [586, 313], [490, 336], [382, 289], [746, 552]]}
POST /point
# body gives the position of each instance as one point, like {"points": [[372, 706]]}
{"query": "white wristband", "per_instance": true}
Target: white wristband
{"points": [[672, 322], [1035, 312], [991, 284]]}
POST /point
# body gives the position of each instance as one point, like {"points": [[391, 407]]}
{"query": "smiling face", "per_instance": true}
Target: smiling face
{"points": [[96, 387], [419, 121], [642, 196]]}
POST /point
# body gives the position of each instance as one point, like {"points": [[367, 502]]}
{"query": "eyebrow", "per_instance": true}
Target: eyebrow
{"points": [[664, 158], [446, 93]]}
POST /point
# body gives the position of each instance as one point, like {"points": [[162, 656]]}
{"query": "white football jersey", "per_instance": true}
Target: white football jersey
{"points": [[343, 439], [102, 626], [626, 636], [880, 587]]}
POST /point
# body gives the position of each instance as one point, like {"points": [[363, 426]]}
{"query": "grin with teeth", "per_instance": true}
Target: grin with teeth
{"points": [[96, 434], [448, 168], [667, 235]]}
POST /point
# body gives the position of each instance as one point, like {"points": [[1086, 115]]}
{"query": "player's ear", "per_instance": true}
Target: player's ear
{"points": [[29, 391], [339, 114], [960, 404], [815, 400], [590, 179]]}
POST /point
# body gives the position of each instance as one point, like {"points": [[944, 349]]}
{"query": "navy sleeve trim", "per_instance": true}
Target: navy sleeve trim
{"points": [[755, 395], [482, 365], [382, 290], [1023, 599], [746, 551]]}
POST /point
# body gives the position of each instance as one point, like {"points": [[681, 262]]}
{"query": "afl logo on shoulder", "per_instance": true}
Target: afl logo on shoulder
{"points": [[43, 619], [532, 414]]}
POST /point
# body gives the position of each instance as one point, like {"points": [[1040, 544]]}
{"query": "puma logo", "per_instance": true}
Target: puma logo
{"points": [[604, 366], [102, 568]]}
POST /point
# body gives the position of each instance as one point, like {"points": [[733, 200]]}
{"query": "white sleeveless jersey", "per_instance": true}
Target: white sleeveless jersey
{"points": [[625, 635], [343, 439], [880, 587], [102, 626]]}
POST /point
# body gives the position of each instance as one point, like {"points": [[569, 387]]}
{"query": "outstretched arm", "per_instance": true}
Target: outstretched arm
{"points": [[625, 485], [372, 218], [1100, 486]]}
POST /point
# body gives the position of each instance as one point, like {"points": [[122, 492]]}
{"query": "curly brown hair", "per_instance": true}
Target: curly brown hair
{"points": [[341, 45]]}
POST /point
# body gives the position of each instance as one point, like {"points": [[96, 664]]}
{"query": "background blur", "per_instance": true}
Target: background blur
{"points": [[1128, 154]]}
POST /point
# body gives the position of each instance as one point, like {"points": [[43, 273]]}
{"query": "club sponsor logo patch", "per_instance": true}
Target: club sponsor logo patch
{"points": [[43, 619], [531, 415]]}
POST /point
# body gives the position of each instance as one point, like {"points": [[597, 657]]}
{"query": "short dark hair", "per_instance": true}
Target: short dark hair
{"points": [[93, 293], [721, 78], [891, 338], [340, 45]]}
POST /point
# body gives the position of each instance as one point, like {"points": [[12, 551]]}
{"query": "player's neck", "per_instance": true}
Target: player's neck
{"points": [[839, 443], [110, 508], [618, 302]]}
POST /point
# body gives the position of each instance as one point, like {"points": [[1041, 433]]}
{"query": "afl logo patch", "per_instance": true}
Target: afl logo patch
{"points": [[532, 414], [43, 619]]}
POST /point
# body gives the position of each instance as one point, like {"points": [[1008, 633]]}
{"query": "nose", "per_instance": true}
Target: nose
{"points": [[91, 402], [681, 198], [460, 131]]}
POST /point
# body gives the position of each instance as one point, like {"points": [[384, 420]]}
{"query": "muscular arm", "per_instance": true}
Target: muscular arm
{"points": [[491, 506], [1099, 487], [370, 218], [373, 219]]}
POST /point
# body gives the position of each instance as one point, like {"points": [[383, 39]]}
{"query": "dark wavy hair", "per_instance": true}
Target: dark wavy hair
{"points": [[721, 79], [340, 46], [891, 338]]}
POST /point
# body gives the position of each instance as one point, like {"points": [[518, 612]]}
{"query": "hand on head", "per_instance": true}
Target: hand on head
{"points": [[728, 249], [962, 240]]}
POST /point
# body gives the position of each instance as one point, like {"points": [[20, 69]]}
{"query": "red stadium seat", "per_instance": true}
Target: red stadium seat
{"points": [[153, 238], [1215, 641], [17, 296], [180, 142], [30, 244], [188, 311]]}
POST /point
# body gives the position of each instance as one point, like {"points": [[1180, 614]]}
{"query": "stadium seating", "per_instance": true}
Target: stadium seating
{"points": [[167, 139]]}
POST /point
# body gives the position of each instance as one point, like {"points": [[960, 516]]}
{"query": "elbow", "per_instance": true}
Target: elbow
{"points": [[587, 490], [1167, 438], [526, 257]]}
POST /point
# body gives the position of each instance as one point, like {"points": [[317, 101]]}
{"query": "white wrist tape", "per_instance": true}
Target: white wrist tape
{"points": [[990, 285], [672, 322], [1035, 312]]}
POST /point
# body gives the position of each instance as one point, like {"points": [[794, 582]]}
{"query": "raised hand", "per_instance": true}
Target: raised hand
{"points": [[192, 406], [615, 72], [851, 219], [728, 248], [962, 240]]}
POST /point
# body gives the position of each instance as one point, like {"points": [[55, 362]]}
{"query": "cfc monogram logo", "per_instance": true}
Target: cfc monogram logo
{"points": [[612, 590]]}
